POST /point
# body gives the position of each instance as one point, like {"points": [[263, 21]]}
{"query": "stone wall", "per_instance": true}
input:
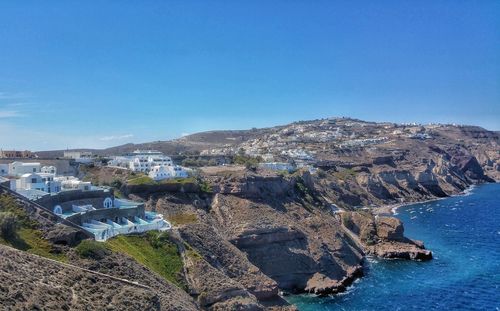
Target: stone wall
{"points": [[183, 187], [108, 213], [66, 199]]}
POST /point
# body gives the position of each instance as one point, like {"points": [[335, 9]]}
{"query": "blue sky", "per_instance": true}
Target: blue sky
{"points": [[103, 73]]}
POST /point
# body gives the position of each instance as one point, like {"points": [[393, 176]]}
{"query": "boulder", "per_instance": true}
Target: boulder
{"points": [[65, 235]]}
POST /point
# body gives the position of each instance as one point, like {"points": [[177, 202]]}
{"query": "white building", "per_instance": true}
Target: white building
{"points": [[160, 172], [21, 168], [49, 169], [278, 166], [38, 181], [143, 161], [4, 169], [73, 183], [154, 163], [79, 156]]}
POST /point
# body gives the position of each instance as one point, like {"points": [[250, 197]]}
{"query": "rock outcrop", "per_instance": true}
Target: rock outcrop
{"points": [[384, 236]]}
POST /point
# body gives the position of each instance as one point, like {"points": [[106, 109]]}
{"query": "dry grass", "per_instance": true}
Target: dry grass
{"points": [[183, 218]]}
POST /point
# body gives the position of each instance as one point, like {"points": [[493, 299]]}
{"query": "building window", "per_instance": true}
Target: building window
{"points": [[34, 170], [33, 180]]}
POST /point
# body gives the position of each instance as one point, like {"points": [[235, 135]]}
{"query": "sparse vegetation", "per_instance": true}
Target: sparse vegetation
{"points": [[146, 180], [187, 180], [198, 162], [20, 232], [9, 225], [205, 186], [141, 180], [321, 173], [9, 205], [117, 184], [153, 250], [183, 218], [192, 253], [345, 174], [92, 249]]}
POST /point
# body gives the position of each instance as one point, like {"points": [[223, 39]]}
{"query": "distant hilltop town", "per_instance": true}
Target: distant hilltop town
{"points": [[12, 154]]}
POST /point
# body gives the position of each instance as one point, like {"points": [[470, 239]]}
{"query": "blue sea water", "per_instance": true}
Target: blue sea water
{"points": [[464, 234]]}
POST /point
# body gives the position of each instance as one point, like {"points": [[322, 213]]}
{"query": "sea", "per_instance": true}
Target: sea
{"points": [[463, 233]]}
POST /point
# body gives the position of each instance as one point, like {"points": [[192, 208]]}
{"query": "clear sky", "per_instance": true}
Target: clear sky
{"points": [[105, 73]]}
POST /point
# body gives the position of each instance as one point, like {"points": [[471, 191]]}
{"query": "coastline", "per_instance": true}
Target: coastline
{"points": [[391, 209], [467, 260]]}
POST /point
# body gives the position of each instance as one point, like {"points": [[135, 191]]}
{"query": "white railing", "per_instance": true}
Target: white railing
{"points": [[103, 231]]}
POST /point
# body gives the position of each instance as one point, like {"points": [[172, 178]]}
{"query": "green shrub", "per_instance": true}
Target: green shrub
{"points": [[153, 250], [92, 249], [321, 173], [116, 184], [10, 205], [157, 239], [345, 174], [247, 161], [141, 180], [205, 187], [9, 224]]}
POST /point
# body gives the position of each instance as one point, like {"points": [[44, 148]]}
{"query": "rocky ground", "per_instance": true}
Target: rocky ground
{"points": [[30, 282]]}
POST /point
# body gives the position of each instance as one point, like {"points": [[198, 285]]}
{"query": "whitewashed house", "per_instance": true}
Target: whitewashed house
{"points": [[143, 161], [38, 181], [79, 156], [21, 168], [161, 172], [154, 163], [73, 183], [49, 169]]}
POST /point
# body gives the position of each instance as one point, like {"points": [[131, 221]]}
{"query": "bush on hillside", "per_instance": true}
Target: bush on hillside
{"points": [[92, 249], [9, 224], [157, 239], [116, 184]]}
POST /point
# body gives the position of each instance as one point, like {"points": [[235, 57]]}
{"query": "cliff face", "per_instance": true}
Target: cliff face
{"points": [[384, 236], [418, 175], [259, 233]]}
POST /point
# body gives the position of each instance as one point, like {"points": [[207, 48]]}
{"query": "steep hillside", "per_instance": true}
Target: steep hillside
{"points": [[30, 282], [126, 279]]}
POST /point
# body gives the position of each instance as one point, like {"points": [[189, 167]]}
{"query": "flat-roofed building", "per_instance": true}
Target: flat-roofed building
{"points": [[38, 181], [20, 168], [12, 154]]}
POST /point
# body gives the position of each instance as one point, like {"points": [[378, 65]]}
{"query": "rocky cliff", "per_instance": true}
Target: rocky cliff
{"points": [[260, 233]]}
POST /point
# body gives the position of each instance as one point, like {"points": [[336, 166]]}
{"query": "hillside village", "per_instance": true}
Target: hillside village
{"points": [[91, 207]]}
